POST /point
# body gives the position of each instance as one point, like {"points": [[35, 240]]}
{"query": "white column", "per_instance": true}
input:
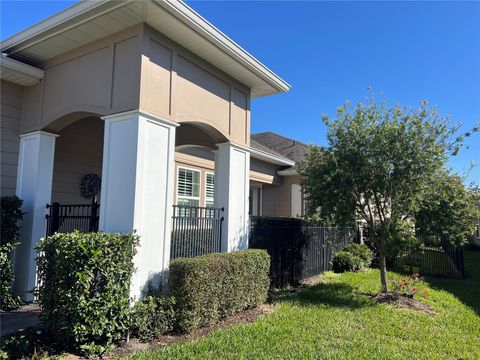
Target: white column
{"points": [[232, 170], [34, 187], [137, 189]]}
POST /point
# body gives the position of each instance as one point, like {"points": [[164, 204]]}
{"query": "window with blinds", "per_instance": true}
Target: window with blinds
{"points": [[209, 189], [188, 187]]}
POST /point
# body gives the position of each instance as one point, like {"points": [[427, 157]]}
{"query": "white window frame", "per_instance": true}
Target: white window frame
{"points": [[205, 187], [177, 197], [259, 200]]}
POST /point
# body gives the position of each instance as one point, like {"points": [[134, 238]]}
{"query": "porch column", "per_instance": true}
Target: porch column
{"points": [[34, 187], [137, 189], [232, 170]]}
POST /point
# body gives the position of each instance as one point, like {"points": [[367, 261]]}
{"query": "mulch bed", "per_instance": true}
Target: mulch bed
{"points": [[403, 301], [242, 317]]}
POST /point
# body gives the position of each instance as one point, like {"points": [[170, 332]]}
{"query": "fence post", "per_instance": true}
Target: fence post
{"points": [[459, 251], [55, 215], [92, 226]]}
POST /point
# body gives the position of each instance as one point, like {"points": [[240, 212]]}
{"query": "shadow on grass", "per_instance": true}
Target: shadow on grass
{"points": [[329, 294], [467, 290]]}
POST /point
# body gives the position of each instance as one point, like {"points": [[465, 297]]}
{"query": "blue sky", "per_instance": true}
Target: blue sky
{"points": [[333, 51]]}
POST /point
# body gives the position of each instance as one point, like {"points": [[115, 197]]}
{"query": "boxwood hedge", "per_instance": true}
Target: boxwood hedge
{"points": [[84, 291], [11, 215], [208, 288]]}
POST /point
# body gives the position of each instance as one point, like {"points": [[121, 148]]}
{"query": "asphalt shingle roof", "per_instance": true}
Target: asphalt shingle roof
{"points": [[278, 144]]}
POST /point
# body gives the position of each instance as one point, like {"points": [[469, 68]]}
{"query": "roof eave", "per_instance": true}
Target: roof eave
{"points": [[19, 73], [288, 172], [217, 37], [84, 10], [270, 158]]}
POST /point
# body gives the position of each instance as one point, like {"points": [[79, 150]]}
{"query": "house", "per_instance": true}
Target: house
{"points": [[285, 196], [141, 93]]}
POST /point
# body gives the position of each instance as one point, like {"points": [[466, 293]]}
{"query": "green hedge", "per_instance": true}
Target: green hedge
{"points": [[345, 261], [11, 214], [84, 291], [362, 251], [353, 257], [208, 288], [153, 317]]}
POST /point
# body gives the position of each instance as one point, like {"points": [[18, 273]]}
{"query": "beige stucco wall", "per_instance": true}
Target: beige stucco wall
{"points": [[180, 86], [11, 114], [138, 68], [78, 151], [100, 78]]}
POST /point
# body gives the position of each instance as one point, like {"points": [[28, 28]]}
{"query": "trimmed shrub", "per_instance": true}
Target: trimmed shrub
{"points": [[208, 288], [153, 317], [84, 291], [11, 210], [345, 261], [362, 251]]}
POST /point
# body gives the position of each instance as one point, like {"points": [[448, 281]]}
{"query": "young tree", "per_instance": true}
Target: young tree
{"points": [[379, 162], [447, 207]]}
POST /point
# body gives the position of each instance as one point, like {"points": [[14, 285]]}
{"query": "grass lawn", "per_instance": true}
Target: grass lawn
{"points": [[338, 320]]}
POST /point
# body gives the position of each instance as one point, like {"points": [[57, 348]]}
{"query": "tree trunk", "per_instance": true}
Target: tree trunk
{"points": [[383, 272], [383, 265]]}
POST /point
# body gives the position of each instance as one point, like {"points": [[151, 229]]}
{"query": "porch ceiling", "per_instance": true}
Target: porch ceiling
{"points": [[88, 21]]}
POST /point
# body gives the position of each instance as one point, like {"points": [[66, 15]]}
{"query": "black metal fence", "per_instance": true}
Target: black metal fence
{"points": [[322, 244], [433, 257], [297, 250], [195, 231], [67, 218]]}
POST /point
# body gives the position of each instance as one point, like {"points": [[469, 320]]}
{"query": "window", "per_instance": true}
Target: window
{"points": [[188, 187], [209, 189], [255, 201]]}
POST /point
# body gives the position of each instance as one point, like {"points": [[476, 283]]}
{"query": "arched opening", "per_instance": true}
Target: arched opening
{"points": [[196, 221], [198, 134], [78, 152], [77, 171]]}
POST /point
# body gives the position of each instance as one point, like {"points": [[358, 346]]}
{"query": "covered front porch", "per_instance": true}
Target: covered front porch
{"points": [[133, 153]]}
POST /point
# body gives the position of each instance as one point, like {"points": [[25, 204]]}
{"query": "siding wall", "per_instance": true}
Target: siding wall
{"points": [[11, 114], [269, 200], [78, 151], [284, 199]]}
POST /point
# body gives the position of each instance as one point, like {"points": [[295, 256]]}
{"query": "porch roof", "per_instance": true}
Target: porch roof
{"points": [[88, 21]]}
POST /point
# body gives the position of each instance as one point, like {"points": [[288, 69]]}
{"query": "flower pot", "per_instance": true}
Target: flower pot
{"points": [[415, 269]]}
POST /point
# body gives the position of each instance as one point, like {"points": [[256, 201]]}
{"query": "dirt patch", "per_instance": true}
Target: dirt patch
{"points": [[242, 317], [403, 301]]}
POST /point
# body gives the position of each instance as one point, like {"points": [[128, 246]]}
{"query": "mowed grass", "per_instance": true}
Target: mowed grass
{"points": [[338, 320]]}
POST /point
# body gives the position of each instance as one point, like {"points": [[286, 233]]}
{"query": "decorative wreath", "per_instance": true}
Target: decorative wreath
{"points": [[90, 185]]}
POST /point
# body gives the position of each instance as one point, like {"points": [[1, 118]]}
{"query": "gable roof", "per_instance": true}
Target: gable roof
{"points": [[290, 148], [88, 21]]}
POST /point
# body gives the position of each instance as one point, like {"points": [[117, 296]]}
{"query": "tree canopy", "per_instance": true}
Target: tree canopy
{"points": [[379, 167]]}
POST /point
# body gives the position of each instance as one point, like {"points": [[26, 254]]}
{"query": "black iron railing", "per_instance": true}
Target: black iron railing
{"points": [[455, 254], [297, 250], [323, 242], [195, 231], [434, 256], [67, 218]]}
